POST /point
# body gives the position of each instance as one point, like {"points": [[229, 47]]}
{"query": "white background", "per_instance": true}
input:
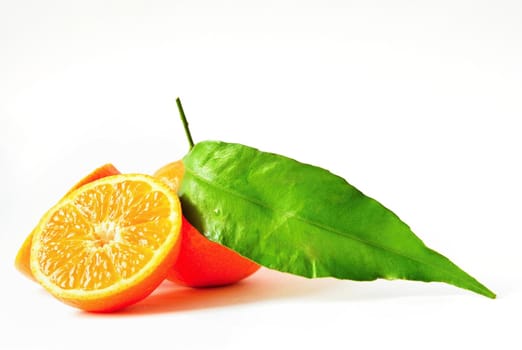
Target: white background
{"points": [[416, 103]]}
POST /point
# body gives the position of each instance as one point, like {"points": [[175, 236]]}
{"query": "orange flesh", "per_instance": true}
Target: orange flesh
{"points": [[105, 238], [171, 174], [108, 244]]}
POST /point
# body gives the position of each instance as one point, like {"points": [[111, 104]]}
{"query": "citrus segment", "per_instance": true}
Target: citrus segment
{"points": [[171, 174], [22, 262], [109, 243]]}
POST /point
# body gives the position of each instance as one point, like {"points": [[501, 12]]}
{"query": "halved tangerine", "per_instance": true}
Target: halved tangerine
{"points": [[109, 243], [22, 261]]}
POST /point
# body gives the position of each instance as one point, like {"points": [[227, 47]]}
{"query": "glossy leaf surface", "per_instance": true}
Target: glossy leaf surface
{"points": [[304, 220]]}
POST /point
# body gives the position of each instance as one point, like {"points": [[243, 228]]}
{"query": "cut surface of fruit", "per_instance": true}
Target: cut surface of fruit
{"points": [[22, 261], [201, 262], [171, 174], [98, 173], [109, 243]]}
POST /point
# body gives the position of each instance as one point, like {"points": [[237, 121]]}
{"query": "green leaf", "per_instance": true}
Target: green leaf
{"points": [[304, 220]]}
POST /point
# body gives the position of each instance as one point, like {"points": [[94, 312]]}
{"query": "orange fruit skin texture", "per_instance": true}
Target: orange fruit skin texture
{"points": [[22, 261], [108, 244], [201, 262]]}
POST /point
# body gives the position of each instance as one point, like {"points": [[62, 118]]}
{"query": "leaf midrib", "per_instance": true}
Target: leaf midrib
{"points": [[319, 225]]}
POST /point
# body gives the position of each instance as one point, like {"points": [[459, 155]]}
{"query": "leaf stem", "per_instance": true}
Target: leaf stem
{"points": [[185, 123]]}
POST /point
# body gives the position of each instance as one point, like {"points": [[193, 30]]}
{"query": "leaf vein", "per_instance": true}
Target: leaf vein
{"points": [[328, 228]]}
